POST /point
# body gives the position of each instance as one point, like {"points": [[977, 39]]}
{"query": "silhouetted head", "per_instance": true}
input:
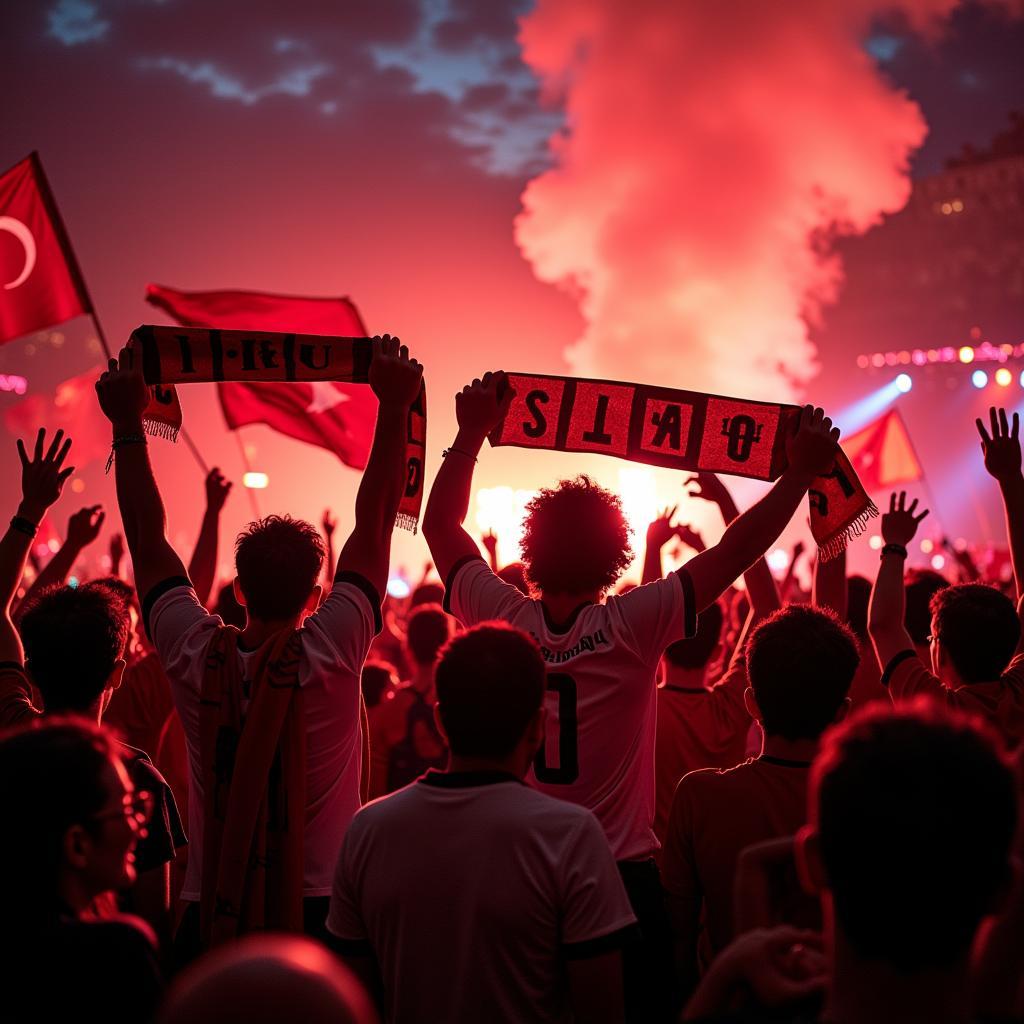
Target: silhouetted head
{"points": [[265, 979], [490, 687], [75, 640], [698, 650], [427, 630], [278, 561], [912, 817], [575, 538], [376, 678], [801, 662], [920, 586], [975, 629]]}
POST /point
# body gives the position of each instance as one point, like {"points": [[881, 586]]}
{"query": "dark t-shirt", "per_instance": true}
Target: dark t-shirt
{"points": [[164, 833], [74, 970]]}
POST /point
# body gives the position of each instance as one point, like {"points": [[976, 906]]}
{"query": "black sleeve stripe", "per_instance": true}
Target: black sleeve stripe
{"points": [[601, 945], [448, 583], [894, 662], [349, 947], [360, 582], [156, 592], [689, 604], [12, 666]]}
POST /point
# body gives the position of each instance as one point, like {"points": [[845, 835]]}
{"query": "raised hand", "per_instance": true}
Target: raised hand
{"points": [[709, 487], [490, 542], [899, 524], [482, 405], [811, 448], [395, 377], [218, 487], [690, 537], [1001, 449], [123, 393], [43, 476], [661, 530], [85, 525], [116, 550], [328, 523]]}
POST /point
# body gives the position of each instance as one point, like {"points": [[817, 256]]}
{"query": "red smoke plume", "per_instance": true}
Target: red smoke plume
{"points": [[711, 147]]}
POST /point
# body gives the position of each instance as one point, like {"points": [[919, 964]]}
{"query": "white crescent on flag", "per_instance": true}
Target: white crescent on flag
{"points": [[325, 396], [23, 235]]}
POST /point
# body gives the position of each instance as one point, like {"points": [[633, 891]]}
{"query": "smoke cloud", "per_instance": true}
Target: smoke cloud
{"points": [[712, 150]]}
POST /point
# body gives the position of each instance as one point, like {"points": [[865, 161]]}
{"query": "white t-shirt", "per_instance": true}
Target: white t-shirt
{"points": [[601, 697], [335, 640], [472, 891]]}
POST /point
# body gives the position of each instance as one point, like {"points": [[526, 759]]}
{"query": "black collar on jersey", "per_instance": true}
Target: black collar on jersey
{"points": [[563, 627], [464, 780], [686, 689], [783, 762]]}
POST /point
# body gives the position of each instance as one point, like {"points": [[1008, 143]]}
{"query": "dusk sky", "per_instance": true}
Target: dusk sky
{"points": [[381, 150]]}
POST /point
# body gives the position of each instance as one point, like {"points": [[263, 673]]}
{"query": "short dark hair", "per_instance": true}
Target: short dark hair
{"points": [[374, 681], [979, 629], [73, 638], [490, 683], [122, 588], [278, 560], [515, 575], [426, 593], [920, 586], [575, 538], [696, 651], [427, 630], [916, 808], [801, 662], [51, 777]]}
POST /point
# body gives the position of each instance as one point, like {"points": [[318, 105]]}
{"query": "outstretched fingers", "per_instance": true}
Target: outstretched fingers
{"points": [[985, 439]]}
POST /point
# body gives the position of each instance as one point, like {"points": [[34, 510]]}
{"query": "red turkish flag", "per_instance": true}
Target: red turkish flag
{"points": [[338, 417], [73, 410], [882, 453], [40, 283]]}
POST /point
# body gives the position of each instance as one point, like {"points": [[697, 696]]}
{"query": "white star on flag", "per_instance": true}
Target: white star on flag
{"points": [[325, 396]]}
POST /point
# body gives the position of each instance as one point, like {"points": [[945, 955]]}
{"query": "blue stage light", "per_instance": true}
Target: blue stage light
{"points": [[979, 378]]}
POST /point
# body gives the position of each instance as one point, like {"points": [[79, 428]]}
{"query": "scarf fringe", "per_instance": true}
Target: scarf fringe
{"points": [[405, 521], [836, 544], [158, 428]]}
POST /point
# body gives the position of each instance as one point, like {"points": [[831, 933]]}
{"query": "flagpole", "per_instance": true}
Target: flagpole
{"points": [[79, 278], [247, 468]]}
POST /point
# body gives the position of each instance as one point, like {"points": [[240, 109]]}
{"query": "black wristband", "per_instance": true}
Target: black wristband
{"points": [[23, 525], [458, 451], [894, 549], [120, 442]]}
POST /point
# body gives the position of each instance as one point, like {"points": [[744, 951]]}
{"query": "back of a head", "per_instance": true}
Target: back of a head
{"points": [[800, 662], [490, 683], [514, 574], [978, 628], [73, 638], [265, 979], [426, 593], [51, 777], [278, 561], [427, 630], [575, 538], [376, 678], [696, 651], [920, 586], [916, 809]]}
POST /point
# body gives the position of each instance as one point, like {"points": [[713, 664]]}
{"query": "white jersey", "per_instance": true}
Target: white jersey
{"points": [[601, 697], [335, 640], [472, 892]]}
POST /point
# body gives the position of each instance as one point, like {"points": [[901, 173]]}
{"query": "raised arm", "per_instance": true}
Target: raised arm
{"points": [[83, 528], [329, 524], [42, 480], [1001, 450], [396, 381], [202, 569], [659, 532], [828, 588], [479, 407], [886, 612], [764, 597], [123, 398]]}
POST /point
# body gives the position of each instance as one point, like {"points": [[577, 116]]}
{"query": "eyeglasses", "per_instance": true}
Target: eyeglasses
{"points": [[136, 809]]}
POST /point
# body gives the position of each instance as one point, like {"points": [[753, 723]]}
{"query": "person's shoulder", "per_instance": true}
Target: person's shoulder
{"points": [[123, 934], [718, 780], [140, 767]]}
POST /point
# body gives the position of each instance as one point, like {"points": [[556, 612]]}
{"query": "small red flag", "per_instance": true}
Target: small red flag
{"points": [[40, 283], [73, 409], [338, 417], [882, 453]]}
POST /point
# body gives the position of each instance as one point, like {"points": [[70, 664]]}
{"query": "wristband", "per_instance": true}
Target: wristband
{"points": [[23, 525], [120, 442], [894, 549], [458, 451]]}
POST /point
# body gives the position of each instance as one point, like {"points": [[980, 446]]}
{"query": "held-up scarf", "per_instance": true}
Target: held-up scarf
{"points": [[253, 764], [185, 355], [680, 430]]}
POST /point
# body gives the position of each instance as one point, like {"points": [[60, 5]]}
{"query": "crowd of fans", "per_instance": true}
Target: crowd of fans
{"points": [[531, 794]]}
